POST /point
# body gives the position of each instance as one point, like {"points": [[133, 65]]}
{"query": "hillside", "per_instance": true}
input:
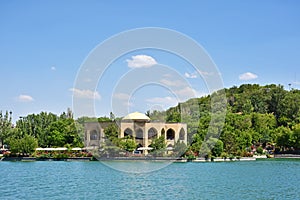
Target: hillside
{"points": [[256, 116]]}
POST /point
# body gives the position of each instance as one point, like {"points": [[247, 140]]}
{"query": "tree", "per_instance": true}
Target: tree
{"points": [[63, 132], [218, 148], [5, 126], [295, 140], [23, 146], [112, 134], [229, 138], [284, 135], [289, 108], [158, 145], [179, 148], [128, 144]]}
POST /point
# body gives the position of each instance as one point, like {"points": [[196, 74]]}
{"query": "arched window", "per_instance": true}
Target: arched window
{"points": [[128, 132], [152, 133], [170, 134], [181, 134], [94, 135], [139, 134]]}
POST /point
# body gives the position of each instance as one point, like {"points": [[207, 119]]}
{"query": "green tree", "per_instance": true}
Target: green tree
{"points": [[112, 134], [295, 139], [158, 145], [179, 148], [128, 144], [5, 126], [284, 135], [229, 138], [218, 148], [23, 146]]}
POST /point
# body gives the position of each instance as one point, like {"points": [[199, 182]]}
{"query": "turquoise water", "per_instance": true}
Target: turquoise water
{"points": [[270, 179]]}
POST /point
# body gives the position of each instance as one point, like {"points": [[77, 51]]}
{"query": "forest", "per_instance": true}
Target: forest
{"points": [[257, 117]]}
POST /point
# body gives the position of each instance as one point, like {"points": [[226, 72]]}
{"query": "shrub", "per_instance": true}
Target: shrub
{"points": [[224, 155], [259, 150]]}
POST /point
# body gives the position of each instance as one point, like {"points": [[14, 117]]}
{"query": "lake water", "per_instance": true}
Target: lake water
{"points": [[263, 179]]}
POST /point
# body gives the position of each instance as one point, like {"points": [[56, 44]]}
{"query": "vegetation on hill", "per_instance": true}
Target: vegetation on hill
{"points": [[256, 116]]}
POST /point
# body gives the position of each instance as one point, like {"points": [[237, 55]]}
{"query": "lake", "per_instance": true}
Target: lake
{"points": [[262, 179]]}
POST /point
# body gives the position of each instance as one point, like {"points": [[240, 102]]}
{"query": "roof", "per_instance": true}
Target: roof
{"points": [[137, 116]]}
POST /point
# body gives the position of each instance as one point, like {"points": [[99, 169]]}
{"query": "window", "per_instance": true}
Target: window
{"points": [[170, 134], [139, 134], [94, 135], [152, 133], [128, 132], [181, 134]]}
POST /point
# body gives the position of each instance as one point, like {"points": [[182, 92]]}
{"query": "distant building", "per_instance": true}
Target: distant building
{"points": [[140, 127]]}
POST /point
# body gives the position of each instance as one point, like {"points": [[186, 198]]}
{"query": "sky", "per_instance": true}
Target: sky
{"points": [[44, 45]]}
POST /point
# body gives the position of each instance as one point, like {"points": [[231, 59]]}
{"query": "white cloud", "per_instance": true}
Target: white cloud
{"points": [[86, 94], [176, 83], [24, 98], [168, 101], [122, 96], [123, 99], [139, 61], [194, 75], [188, 92], [296, 82], [53, 68], [190, 75], [247, 76], [203, 73]]}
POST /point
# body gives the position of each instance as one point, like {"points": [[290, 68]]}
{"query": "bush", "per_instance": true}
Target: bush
{"points": [[61, 156], [224, 155], [259, 150]]}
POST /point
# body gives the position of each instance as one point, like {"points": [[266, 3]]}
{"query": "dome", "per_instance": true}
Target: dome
{"points": [[136, 116]]}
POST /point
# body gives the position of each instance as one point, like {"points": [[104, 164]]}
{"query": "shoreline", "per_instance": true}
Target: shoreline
{"points": [[171, 159]]}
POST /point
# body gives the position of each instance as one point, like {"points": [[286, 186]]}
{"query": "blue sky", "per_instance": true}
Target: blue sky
{"points": [[44, 43]]}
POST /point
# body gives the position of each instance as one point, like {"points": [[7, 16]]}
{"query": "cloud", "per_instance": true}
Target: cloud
{"points": [[247, 76], [296, 82], [190, 75], [122, 96], [194, 75], [86, 94], [176, 83], [53, 68], [187, 93], [168, 101], [139, 61], [24, 98]]}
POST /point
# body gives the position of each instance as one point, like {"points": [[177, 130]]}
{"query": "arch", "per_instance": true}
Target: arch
{"points": [[139, 134], [162, 132], [152, 133], [128, 132], [182, 134], [170, 134], [139, 145], [94, 135], [170, 145]]}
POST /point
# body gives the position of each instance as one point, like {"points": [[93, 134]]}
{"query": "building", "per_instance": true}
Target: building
{"points": [[140, 127]]}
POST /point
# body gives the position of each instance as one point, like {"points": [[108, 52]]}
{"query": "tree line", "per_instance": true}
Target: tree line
{"points": [[255, 116]]}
